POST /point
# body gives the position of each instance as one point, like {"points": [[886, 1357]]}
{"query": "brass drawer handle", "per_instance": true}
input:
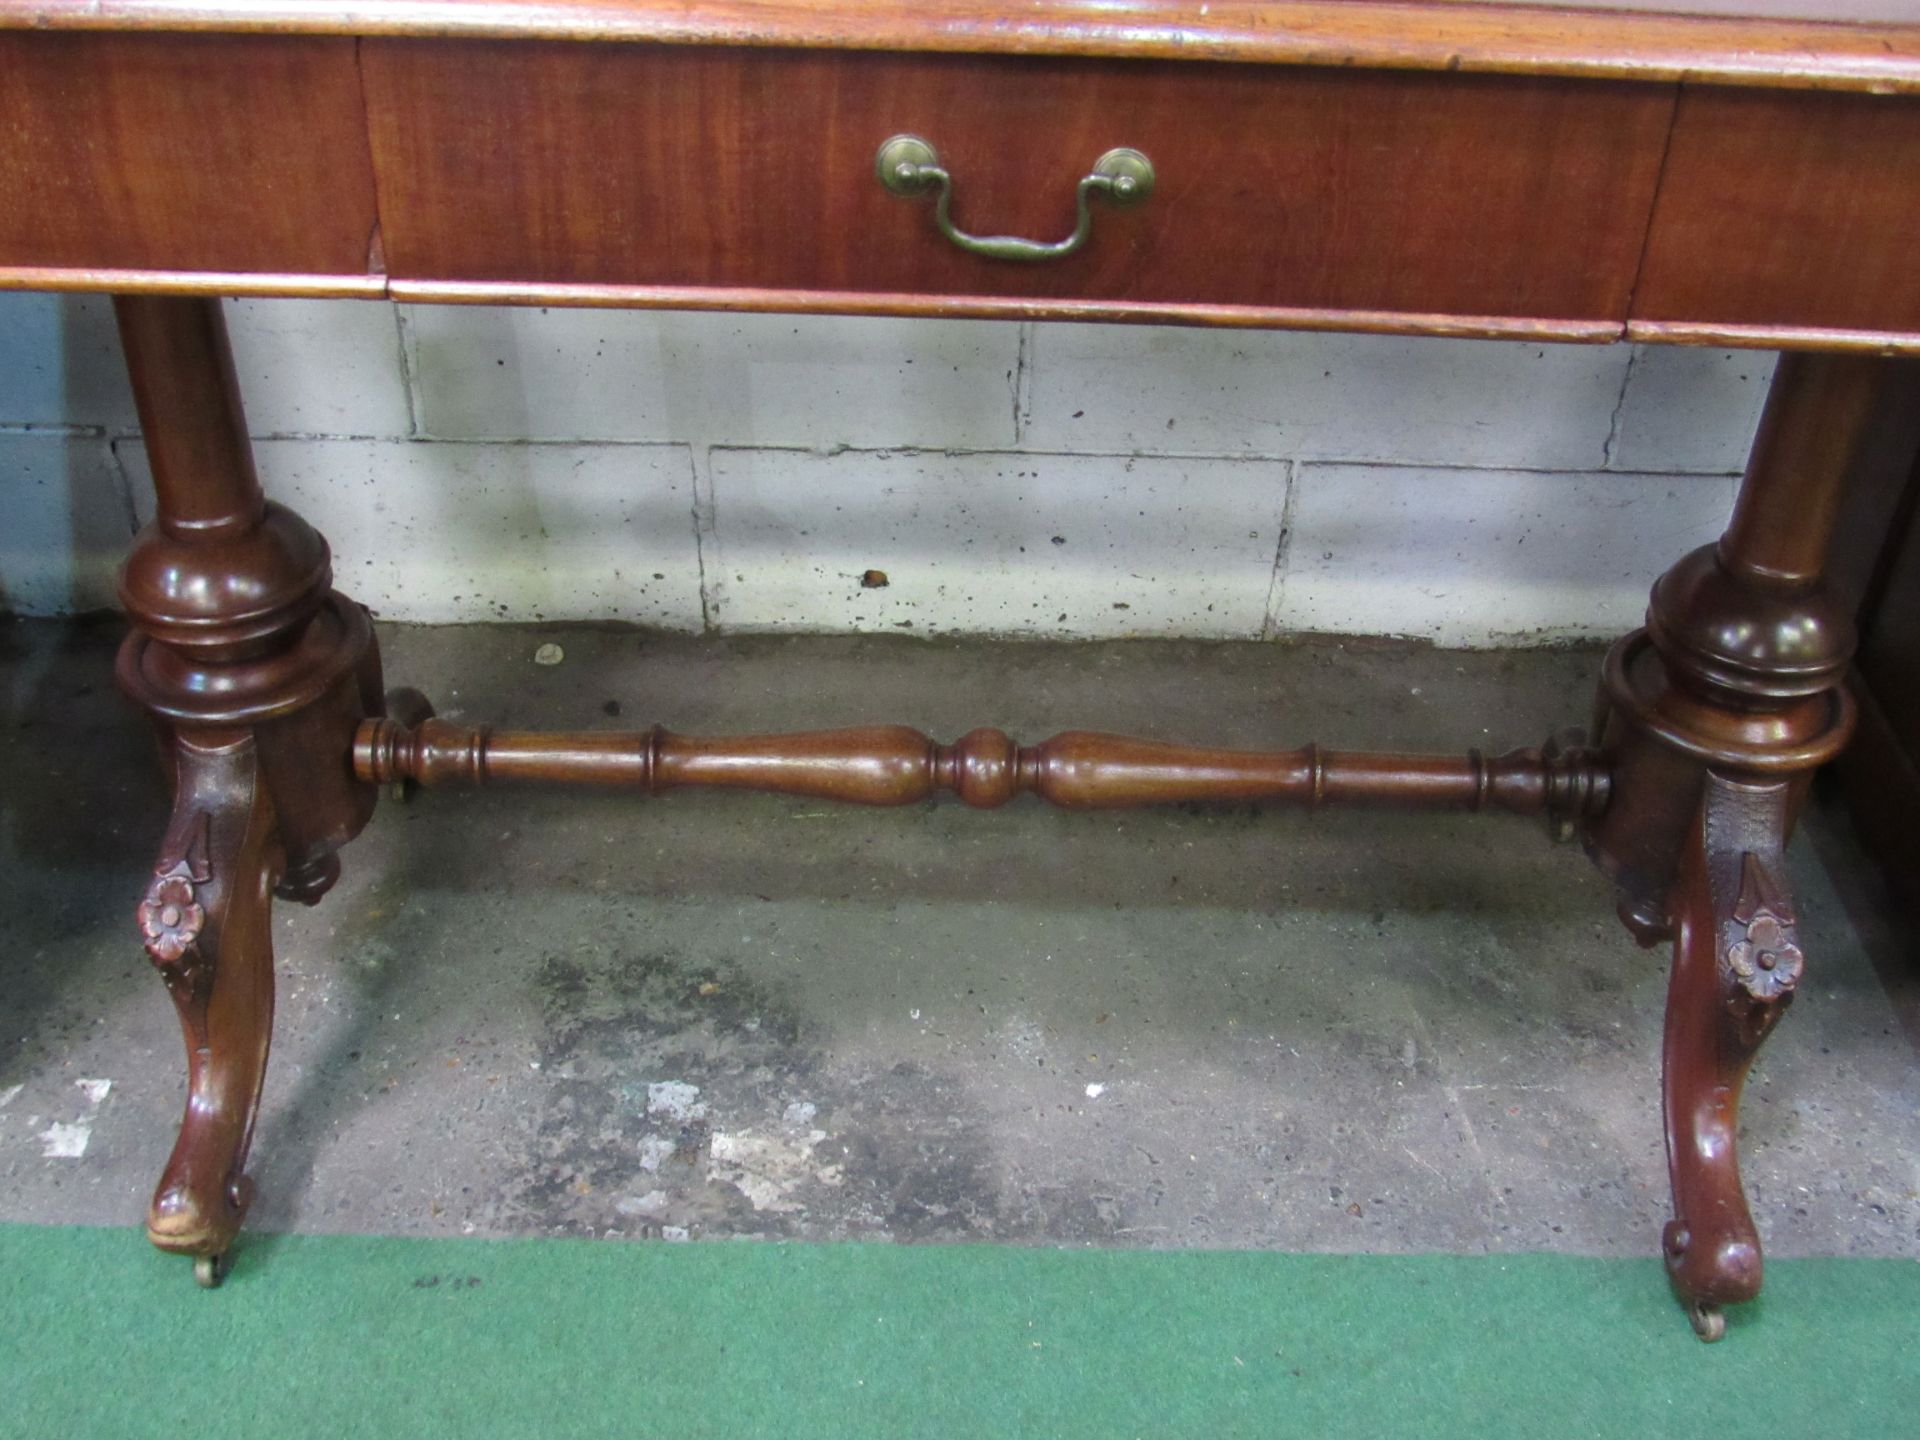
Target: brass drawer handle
{"points": [[908, 165]]}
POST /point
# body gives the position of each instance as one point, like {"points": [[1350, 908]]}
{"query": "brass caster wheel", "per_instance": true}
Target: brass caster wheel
{"points": [[1708, 1323], [209, 1271]]}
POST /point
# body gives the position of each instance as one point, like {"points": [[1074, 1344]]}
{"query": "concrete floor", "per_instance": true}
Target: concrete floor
{"points": [[714, 1015]]}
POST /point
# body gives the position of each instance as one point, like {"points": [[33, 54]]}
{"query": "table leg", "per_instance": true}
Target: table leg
{"points": [[1712, 720], [256, 674]]}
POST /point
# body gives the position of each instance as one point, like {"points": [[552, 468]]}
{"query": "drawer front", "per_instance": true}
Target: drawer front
{"points": [[1788, 209], [581, 164], [183, 153]]}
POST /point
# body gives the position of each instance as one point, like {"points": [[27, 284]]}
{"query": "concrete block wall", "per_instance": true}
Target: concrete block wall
{"points": [[743, 473]]}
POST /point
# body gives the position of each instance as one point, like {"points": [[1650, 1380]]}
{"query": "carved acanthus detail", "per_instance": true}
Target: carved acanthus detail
{"points": [[1760, 945]]}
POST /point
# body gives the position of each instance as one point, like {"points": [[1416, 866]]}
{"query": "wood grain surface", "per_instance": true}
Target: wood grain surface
{"points": [[1303, 188], [1780, 210], [738, 176], [1874, 46], [183, 153]]}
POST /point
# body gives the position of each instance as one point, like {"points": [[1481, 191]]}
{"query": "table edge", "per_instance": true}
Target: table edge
{"points": [[1381, 34], [953, 307]]}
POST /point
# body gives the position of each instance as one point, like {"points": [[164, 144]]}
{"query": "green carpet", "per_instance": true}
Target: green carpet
{"points": [[350, 1336]]}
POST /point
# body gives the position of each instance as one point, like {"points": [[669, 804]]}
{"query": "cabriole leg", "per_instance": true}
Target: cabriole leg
{"points": [[205, 923], [257, 674], [1736, 961], [1714, 718]]}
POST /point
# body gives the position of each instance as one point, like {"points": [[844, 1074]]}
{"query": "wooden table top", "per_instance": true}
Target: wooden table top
{"points": [[1847, 44], [1738, 172]]}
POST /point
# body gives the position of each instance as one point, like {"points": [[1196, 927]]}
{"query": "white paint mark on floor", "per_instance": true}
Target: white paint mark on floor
{"points": [[65, 1142], [1096, 1090], [675, 1100], [8, 1095], [61, 1141], [767, 1169]]}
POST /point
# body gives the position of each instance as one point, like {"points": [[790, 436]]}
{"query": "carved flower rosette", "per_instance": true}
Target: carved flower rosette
{"points": [[171, 919], [1764, 958]]}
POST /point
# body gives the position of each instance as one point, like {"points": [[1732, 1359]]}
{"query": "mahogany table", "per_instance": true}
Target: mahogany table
{"points": [[1728, 172]]}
